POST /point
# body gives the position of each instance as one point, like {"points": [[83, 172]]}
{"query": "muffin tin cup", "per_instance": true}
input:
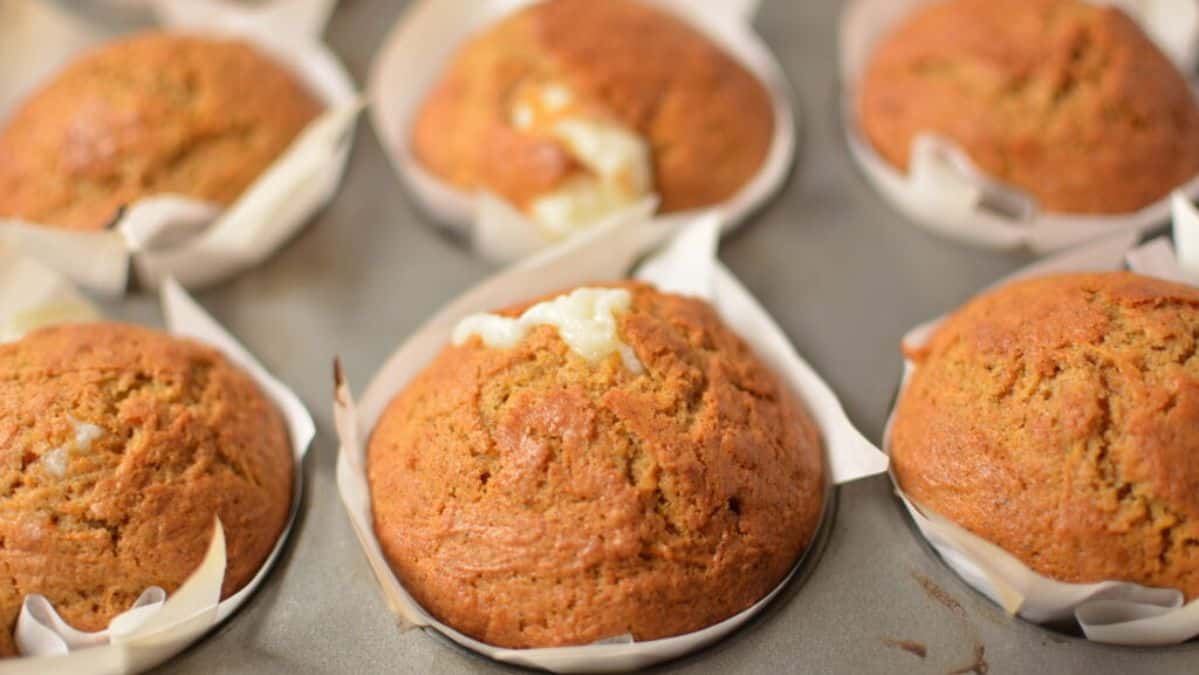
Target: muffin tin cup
{"points": [[945, 192], [416, 53], [686, 264], [1112, 612], [291, 17], [194, 242], [157, 627]]}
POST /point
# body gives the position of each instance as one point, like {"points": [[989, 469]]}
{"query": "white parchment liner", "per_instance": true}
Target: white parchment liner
{"points": [[156, 627], [686, 265], [1110, 611], [416, 53], [945, 192], [168, 235]]}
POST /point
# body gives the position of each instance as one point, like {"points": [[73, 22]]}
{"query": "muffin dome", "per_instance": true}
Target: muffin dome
{"points": [[118, 446], [152, 114], [493, 120], [529, 496], [1059, 419], [1067, 100]]}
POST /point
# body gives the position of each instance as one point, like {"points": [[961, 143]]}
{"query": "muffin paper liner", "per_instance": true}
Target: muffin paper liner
{"points": [[1110, 611], [686, 264], [156, 627], [32, 295], [945, 192], [415, 55], [195, 242]]}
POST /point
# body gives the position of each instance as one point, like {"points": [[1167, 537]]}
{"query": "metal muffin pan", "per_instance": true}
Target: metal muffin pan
{"points": [[841, 272]]}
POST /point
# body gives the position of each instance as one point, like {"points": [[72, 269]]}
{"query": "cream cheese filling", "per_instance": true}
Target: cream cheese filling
{"points": [[617, 161], [585, 319], [58, 460]]}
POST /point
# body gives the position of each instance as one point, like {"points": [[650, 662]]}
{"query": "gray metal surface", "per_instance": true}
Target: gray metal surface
{"points": [[842, 273]]}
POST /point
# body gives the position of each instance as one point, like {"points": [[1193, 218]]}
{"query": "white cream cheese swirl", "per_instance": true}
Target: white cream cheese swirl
{"points": [[616, 159], [585, 319]]}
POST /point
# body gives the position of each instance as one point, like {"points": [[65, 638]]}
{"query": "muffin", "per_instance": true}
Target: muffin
{"points": [[158, 113], [642, 473], [1067, 100], [569, 109], [118, 446], [1059, 419]]}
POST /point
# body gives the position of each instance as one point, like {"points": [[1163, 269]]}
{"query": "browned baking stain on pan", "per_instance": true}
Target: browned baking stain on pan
{"points": [[909, 646], [937, 593], [978, 667], [339, 378]]}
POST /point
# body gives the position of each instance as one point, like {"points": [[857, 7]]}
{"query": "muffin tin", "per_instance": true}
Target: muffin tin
{"points": [[843, 275]]}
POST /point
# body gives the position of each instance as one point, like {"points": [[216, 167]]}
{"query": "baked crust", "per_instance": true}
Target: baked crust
{"points": [[183, 436], [1059, 419], [151, 114], [708, 121], [1066, 100], [530, 498]]}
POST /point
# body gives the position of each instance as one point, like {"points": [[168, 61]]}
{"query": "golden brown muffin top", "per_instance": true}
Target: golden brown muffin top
{"points": [[528, 497], [118, 445], [708, 121], [1064, 99], [1059, 419], [146, 115]]}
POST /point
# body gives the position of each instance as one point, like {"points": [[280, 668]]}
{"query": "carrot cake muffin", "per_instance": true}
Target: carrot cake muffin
{"points": [[151, 114], [572, 108], [1059, 419], [118, 446], [609, 461], [1067, 100]]}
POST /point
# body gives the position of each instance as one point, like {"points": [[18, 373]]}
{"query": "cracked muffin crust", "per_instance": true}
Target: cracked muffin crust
{"points": [[118, 445], [151, 114], [1059, 419], [707, 121], [1067, 100], [528, 497]]}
